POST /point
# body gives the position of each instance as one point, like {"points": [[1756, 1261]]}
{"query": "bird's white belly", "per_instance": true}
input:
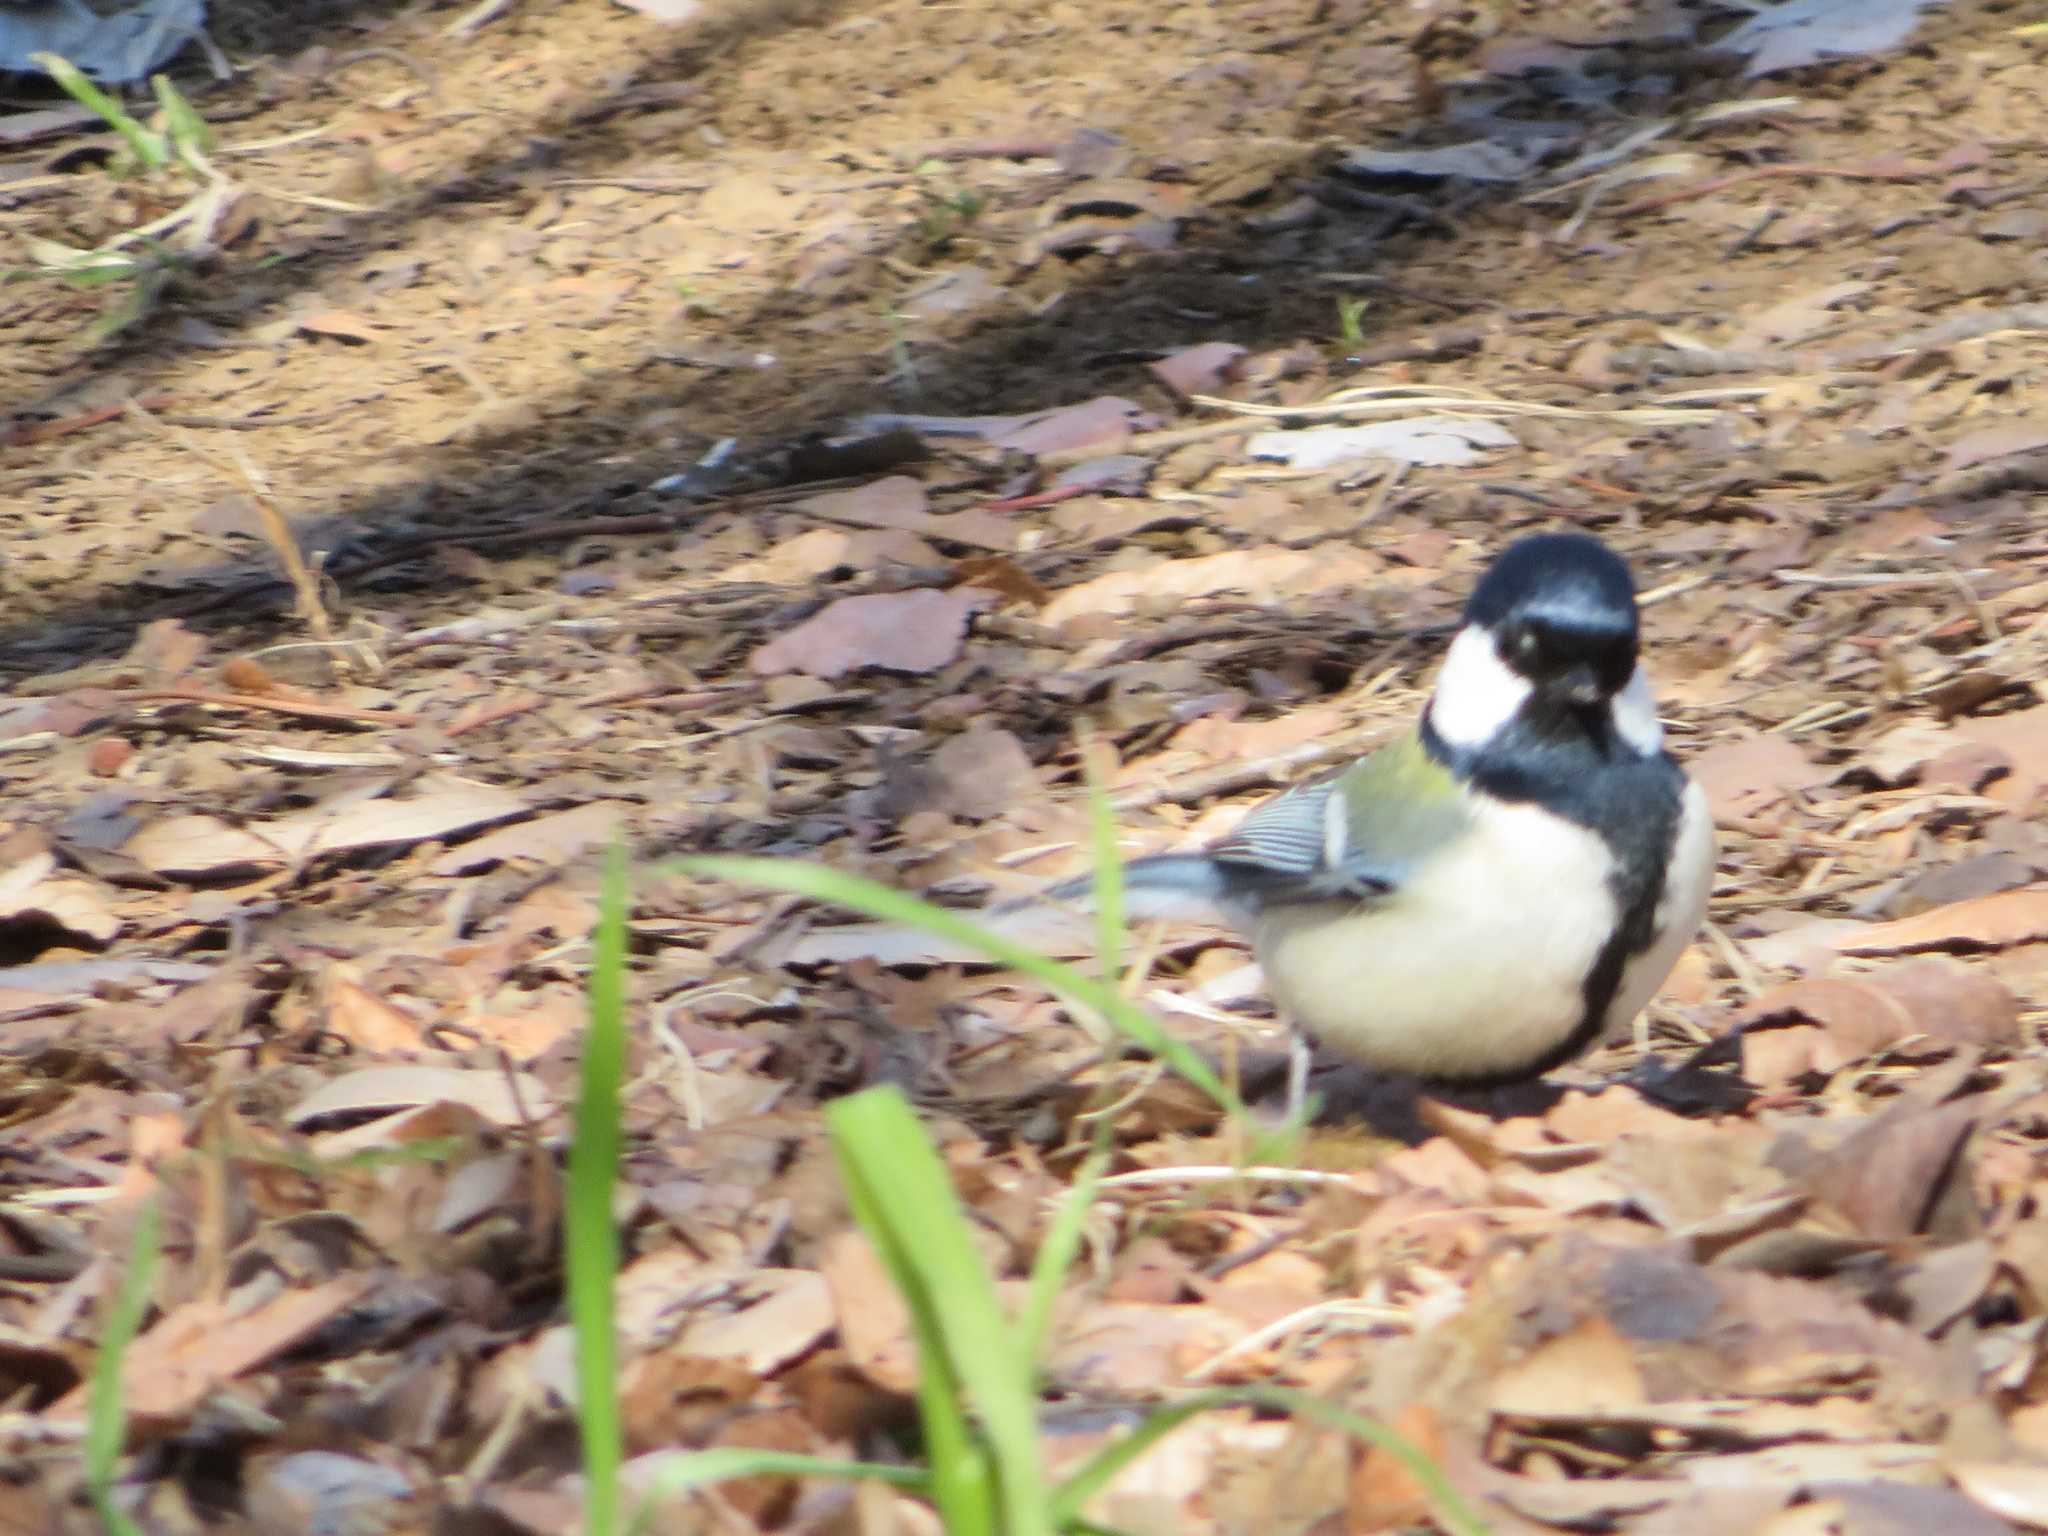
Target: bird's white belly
{"points": [[1475, 966]]}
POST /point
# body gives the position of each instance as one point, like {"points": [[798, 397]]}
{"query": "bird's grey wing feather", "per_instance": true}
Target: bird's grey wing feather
{"points": [[1355, 833], [1288, 835], [1288, 851]]}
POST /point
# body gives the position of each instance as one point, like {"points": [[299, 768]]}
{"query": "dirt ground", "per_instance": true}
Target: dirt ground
{"points": [[483, 469]]}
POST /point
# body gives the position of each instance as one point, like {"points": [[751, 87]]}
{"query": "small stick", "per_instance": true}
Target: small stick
{"points": [[304, 707], [504, 710], [43, 431], [1759, 172], [307, 590]]}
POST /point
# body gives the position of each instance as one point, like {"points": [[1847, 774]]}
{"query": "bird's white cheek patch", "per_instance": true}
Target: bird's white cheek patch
{"points": [[1635, 717], [1477, 693]]}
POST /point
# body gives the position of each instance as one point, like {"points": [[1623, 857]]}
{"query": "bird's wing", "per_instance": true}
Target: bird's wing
{"points": [[1355, 832]]}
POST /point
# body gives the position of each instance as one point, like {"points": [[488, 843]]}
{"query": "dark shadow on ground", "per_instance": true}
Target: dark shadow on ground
{"points": [[1223, 281]]}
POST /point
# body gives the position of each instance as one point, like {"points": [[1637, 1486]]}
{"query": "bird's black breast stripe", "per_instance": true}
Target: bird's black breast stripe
{"points": [[1632, 803]]}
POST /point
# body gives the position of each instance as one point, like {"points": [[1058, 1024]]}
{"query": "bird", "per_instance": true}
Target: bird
{"points": [[1484, 897]]}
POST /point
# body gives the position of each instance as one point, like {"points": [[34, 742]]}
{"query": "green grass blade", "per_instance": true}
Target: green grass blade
{"points": [[1109, 870], [889, 905], [590, 1241], [1080, 1527], [962, 1479], [1056, 1255], [106, 1416], [188, 132], [906, 1202], [84, 268], [1451, 1507], [148, 148]]}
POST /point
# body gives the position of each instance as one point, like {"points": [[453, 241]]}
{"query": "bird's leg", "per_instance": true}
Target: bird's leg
{"points": [[1298, 1054]]}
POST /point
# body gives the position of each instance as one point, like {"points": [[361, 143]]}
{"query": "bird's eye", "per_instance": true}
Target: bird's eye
{"points": [[1524, 644]]}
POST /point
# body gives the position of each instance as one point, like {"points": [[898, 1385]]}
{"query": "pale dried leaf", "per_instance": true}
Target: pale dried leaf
{"points": [[546, 840], [911, 631], [1990, 922], [503, 1098], [790, 1317], [1746, 776], [1196, 370], [183, 1357], [1408, 440], [1581, 1374], [1796, 33], [2016, 1491], [1263, 573]]}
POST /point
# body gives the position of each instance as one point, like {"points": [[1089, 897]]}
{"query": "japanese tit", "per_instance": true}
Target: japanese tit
{"points": [[1486, 896]]}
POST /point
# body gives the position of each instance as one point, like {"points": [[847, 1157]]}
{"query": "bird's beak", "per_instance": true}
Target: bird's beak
{"points": [[1581, 688]]}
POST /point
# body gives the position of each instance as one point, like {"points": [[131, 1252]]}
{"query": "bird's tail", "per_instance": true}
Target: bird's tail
{"points": [[1167, 885]]}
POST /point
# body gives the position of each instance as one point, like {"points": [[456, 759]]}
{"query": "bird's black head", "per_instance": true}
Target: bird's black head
{"points": [[1561, 610]]}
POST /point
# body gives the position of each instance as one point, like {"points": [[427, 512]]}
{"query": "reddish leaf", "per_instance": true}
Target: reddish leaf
{"points": [[1742, 778], [911, 631], [1990, 922]]}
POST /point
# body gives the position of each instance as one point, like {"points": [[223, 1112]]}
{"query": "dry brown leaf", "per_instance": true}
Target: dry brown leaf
{"points": [[1941, 1286], [434, 806], [1102, 422], [339, 324], [436, 1122], [1774, 1059], [31, 893], [173, 1366], [503, 1098], [1385, 1494], [1264, 573], [1743, 778], [911, 631], [1900, 754], [1990, 922], [542, 1023], [1613, 1112], [898, 502], [1196, 370], [981, 773], [1118, 1348], [669, 1399], [1965, 880], [2022, 738], [547, 840], [1795, 318], [1994, 442], [1003, 576], [1901, 1175], [1880, 1507], [1221, 739], [800, 561], [2014, 1491], [323, 1491], [1584, 1373], [164, 651], [194, 844], [366, 1021], [1939, 1000], [1684, 1177], [793, 1311], [874, 1323]]}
